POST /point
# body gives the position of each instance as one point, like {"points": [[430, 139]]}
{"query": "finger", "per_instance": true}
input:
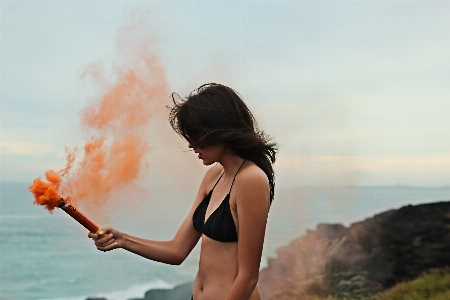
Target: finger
{"points": [[106, 240], [109, 247], [102, 232], [92, 235], [105, 231], [104, 244]]}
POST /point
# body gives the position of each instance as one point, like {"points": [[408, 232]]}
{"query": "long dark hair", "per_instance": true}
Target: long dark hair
{"points": [[214, 114]]}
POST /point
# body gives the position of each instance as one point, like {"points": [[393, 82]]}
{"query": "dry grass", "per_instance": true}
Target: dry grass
{"points": [[434, 285]]}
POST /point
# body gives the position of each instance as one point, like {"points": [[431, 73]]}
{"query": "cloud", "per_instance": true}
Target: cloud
{"points": [[341, 170], [414, 170], [33, 149]]}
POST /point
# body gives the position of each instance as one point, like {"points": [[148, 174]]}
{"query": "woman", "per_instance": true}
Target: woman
{"points": [[230, 211]]}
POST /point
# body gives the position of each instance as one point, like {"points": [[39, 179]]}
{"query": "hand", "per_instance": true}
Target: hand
{"points": [[106, 239]]}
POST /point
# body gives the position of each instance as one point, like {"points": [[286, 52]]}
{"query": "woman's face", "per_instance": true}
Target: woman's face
{"points": [[209, 154]]}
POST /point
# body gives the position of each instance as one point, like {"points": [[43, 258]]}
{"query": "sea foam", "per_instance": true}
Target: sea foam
{"points": [[135, 291]]}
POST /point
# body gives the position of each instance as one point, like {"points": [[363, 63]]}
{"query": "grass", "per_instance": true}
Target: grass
{"points": [[434, 285]]}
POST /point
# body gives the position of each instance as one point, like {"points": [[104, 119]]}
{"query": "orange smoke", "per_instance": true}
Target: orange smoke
{"points": [[116, 122], [46, 193]]}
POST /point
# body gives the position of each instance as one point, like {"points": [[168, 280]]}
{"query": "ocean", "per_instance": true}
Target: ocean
{"points": [[45, 256]]}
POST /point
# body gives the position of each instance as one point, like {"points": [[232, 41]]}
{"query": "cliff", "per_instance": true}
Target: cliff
{"points": [[393, 246]]}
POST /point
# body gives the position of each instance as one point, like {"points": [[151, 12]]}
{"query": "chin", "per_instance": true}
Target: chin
{"points": [[207, 162]]}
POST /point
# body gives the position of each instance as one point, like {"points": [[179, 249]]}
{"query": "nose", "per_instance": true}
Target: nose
{"points": [[192, 147]]}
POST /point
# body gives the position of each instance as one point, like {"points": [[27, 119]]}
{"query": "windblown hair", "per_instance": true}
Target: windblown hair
{"points": [[214, 114]]}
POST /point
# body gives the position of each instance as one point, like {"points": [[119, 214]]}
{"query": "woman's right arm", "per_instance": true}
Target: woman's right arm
{"points": [[173, 251]]}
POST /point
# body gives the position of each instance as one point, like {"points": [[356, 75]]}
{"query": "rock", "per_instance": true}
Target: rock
{"points": [[180, 292], [393, 246]]}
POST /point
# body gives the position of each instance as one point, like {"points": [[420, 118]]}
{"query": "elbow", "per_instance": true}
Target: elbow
{"points": [[176, 261], [251, 278], [179, 254], [254, 280]]}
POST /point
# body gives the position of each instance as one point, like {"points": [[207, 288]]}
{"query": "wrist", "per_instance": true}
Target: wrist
{"points": [[123, 240]]}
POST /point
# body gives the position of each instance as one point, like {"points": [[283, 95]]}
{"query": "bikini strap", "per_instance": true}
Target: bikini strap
{"points": [[235, 175], [217, 181]]}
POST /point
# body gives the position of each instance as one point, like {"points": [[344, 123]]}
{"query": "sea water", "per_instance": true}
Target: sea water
{"points": [[45, 256]]}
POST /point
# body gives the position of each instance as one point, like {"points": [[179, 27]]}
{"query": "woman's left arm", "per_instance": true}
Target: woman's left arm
{"points": [[252, 203]]}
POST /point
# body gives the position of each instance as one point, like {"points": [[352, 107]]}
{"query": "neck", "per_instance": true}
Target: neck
{"points": [[231, 164]]}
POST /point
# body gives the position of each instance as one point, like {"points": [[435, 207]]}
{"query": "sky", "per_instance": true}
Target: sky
{"points": [[354, 92]]}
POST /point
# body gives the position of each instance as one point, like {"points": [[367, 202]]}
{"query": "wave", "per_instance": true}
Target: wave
{"points": [[135, 291]]}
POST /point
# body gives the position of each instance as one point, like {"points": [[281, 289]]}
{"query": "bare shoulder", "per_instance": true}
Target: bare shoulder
{"points": [[252, 189], [252, 181], [252, 176]]}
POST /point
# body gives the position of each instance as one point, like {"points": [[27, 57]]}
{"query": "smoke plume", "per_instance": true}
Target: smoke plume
{"points": [[116, 123]]}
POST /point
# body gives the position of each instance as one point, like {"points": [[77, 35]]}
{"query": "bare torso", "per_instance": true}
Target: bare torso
{"points": [[218, 265], [217, 270]]}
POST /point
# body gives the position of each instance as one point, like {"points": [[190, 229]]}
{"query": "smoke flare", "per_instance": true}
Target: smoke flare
{"points": [[46, 193]]}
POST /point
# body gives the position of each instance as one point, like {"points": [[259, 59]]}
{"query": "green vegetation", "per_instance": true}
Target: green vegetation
{"points": [[434, 285], [341, 285]]}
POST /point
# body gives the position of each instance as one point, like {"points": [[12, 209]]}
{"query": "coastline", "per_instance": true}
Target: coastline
{"points": [[179, 292], [63, 265]]}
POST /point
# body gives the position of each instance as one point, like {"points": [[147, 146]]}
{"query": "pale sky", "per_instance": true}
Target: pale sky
{"points": [[354, 92]]}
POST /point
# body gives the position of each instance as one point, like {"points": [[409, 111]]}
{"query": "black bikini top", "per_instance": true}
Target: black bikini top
{"points": [[220, 224]]}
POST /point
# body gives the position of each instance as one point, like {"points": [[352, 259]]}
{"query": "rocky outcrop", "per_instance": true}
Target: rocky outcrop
{"points": [[180, 292], [390, 247]]}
